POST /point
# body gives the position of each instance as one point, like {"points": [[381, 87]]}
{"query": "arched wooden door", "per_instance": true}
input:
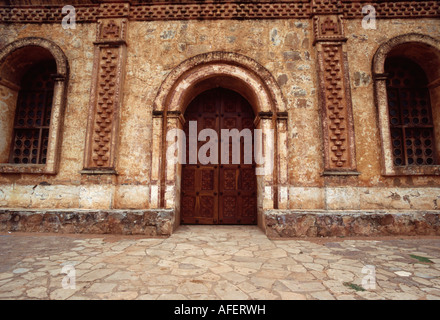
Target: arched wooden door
{"points": [[219, 193]]}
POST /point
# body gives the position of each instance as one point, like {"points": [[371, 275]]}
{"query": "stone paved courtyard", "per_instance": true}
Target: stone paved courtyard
{"points": [[217, 262]]}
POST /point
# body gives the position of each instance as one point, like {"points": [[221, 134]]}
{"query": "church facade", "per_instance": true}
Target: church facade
{"points": [[109, 110]]}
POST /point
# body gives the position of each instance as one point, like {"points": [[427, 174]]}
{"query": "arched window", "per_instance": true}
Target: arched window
{"points": [[410, 114], [32, 115], [33, 83], [406, 72]]}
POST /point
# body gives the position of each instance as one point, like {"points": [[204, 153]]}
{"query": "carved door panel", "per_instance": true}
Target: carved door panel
{"points": [[199, 203], [223, 193], [237, 189]]}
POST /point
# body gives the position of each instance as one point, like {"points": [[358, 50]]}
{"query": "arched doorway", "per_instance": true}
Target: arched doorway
{"points": [[220, 192], [252, 81]]}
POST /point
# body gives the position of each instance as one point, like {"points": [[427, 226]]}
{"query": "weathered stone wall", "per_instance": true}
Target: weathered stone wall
{"points": [[64, 189], [316, 223], [362, 45], [285, 48], [130, 222]]}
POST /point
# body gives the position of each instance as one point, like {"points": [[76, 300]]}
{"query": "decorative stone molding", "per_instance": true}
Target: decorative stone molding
{"points": [[113, 9], [383, 50], [58, 104], [111, 31], [334, 93], [325, 6], [53, 48], [431, 47], [328, 28], [226, 10], [106, 96], [232, 65], [336, 109], [188, 10], [392, 9]]}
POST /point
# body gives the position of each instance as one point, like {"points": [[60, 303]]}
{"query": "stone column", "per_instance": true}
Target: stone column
{"points": [[156, 159], [266, 172], [171, 187], [54, 149], [334, 90], [106, 95], [380, 82], [281, 157]]}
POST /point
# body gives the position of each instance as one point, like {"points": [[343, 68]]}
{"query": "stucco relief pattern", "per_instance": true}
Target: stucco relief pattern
{"points": [[335, 98], [105, 94], [335, 105], [161, 52], [190, 11], [105, 108]]}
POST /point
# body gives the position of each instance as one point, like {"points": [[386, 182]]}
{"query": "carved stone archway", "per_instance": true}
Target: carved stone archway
{"points": [[235, 72]]}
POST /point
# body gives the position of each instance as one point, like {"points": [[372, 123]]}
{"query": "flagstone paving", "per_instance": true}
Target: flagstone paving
{"points": [[217, 262]]}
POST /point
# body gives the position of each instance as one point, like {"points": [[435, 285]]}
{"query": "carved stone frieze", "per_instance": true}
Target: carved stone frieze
{"points": [[186, 10]]}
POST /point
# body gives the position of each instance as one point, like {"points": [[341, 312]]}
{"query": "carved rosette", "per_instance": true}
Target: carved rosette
{"points": [[334, 96], [106, 94]]}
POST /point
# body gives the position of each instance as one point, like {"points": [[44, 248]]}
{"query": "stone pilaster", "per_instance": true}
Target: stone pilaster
{"points": [[171, 189], [266, 161], [156, 159], [334, 89], [282, 159], [106, 96]]}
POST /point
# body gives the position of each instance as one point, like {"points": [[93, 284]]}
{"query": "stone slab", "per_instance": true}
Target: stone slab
{"points": [[340, 223], [150, 222]]}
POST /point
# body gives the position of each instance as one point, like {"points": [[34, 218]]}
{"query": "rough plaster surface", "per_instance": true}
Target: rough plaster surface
{"points": [[154, 48]]}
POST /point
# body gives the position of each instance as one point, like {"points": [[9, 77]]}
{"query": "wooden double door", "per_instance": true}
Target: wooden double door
{"points": [[219, 193]]}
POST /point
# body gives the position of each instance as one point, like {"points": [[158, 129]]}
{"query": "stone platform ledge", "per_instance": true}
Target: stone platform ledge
{"points": [[348, 223], [149, 222]]}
